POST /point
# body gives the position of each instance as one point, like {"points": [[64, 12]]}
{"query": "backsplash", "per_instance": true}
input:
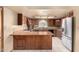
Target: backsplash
{"points": [[43, 23]]}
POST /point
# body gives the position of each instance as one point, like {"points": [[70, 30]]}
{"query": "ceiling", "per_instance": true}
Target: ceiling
{"points": [[31, 11]]}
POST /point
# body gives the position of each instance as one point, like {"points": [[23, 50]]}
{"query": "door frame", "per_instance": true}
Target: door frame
{"points": [[2, 31]]}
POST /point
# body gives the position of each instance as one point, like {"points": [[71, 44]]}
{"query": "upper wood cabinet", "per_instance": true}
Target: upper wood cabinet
{"points": [[58, 23], [34, 21], [20, 17], [50, 22], [54, 22]]}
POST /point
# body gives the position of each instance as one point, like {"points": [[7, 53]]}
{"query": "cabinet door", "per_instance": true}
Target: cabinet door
{"points": [[58, 33], [37, 42], [20, 19], [33, 42], [58, 23], [19, 43], [50, 22], [46, 42], [30, 42]]}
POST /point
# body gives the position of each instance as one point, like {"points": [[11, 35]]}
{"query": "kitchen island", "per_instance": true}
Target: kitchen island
{"points": [[34, 40]]}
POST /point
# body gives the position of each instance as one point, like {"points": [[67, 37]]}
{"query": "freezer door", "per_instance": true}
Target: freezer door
{"points": [[67, 42]]}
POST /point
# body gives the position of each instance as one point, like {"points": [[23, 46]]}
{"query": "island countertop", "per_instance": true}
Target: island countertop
{"points": [[32, 33]]}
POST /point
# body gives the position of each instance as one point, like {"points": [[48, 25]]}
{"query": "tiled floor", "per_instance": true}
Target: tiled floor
{"points": [[57, 46]]}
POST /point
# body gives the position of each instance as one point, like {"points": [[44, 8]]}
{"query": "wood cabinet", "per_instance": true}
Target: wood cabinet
{"points": [[46, 42], [58, 33], [50, 22], [32, 42], [19, 20], [19, 43], [58, 23]]}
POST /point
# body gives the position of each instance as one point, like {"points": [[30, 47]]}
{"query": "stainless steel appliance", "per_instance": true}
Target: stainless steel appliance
{"points": [[67, 32]]}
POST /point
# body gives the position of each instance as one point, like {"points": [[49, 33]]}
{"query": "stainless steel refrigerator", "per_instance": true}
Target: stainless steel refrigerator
{"points": [[67, 32]]}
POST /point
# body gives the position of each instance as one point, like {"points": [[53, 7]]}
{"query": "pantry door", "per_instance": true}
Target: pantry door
{"points": [[1, 29]]}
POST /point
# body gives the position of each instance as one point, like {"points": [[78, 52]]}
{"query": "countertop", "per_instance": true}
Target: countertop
{"points": [[32, 33], [46, 28]]}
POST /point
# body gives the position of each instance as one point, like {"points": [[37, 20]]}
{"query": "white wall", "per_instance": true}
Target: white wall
{"points": [[10, 19], [76, 33], [76, 14]]}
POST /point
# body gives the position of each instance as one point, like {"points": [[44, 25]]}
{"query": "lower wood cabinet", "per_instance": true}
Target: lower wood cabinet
{"points": [[31, 42], [58, 33], [19, 43]]}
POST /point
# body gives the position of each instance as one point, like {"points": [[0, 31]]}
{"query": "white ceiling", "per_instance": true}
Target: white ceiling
{"points": [[58, 11]]}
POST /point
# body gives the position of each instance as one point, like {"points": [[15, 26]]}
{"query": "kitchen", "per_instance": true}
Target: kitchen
{"points": [[35, 28]]}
